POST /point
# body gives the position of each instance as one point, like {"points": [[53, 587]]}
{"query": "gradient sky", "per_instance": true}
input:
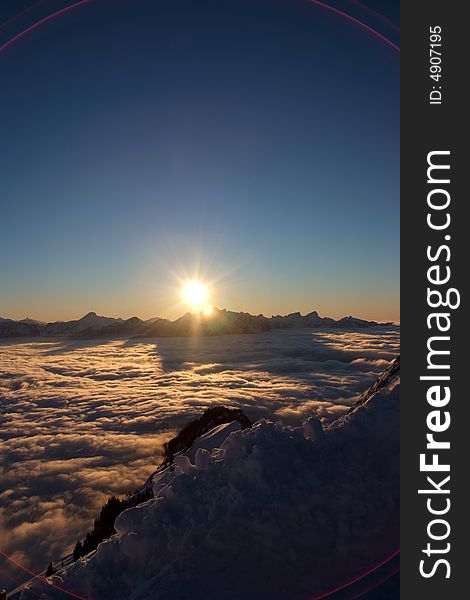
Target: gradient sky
{"points": [[252, 142]]}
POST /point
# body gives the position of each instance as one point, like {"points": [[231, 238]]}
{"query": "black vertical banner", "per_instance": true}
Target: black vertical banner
{"points": [[435, 257]]}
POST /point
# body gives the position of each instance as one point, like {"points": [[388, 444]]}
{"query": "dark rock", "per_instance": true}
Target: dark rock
{"points": [[212, 417]]}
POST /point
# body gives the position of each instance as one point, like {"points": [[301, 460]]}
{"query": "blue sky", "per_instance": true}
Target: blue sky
{"points": [[254, 144]]}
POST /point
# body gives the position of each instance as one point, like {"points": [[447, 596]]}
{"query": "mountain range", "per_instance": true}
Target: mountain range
{"points": [[219, 322]]}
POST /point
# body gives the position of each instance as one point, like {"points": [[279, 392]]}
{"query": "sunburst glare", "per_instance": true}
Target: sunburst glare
{"points": [[195, 293]]}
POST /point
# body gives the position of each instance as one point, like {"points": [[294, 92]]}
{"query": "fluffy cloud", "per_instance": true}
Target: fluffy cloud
{"points": [[83, 420]]}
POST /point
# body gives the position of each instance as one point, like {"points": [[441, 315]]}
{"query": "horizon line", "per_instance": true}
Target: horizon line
{"points": [[135, 316]]}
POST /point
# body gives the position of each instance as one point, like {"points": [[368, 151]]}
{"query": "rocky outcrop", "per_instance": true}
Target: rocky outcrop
{"points": [[212, 417]]}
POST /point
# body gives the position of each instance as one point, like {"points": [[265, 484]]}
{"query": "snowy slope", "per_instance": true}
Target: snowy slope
{"points": [[273, 513]]}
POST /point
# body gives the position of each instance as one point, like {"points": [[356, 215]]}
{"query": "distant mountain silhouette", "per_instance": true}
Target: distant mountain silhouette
{"points": [[219, 322]]}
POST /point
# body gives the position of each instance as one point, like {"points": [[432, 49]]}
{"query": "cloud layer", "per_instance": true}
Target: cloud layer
{"points": [[83, 420]]}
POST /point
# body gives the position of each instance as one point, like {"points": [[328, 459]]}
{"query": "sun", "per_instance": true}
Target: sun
{"points": [[195, 293]]}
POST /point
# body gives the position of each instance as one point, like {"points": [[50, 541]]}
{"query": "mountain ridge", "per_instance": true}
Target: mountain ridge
{"points": [[219, 322]]}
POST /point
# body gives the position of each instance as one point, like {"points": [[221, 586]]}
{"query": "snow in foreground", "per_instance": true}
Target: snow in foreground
{"points": [[269, 513]]}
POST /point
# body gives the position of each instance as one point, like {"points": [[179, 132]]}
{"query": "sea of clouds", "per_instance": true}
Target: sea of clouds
{"points": [[83, 420]]}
